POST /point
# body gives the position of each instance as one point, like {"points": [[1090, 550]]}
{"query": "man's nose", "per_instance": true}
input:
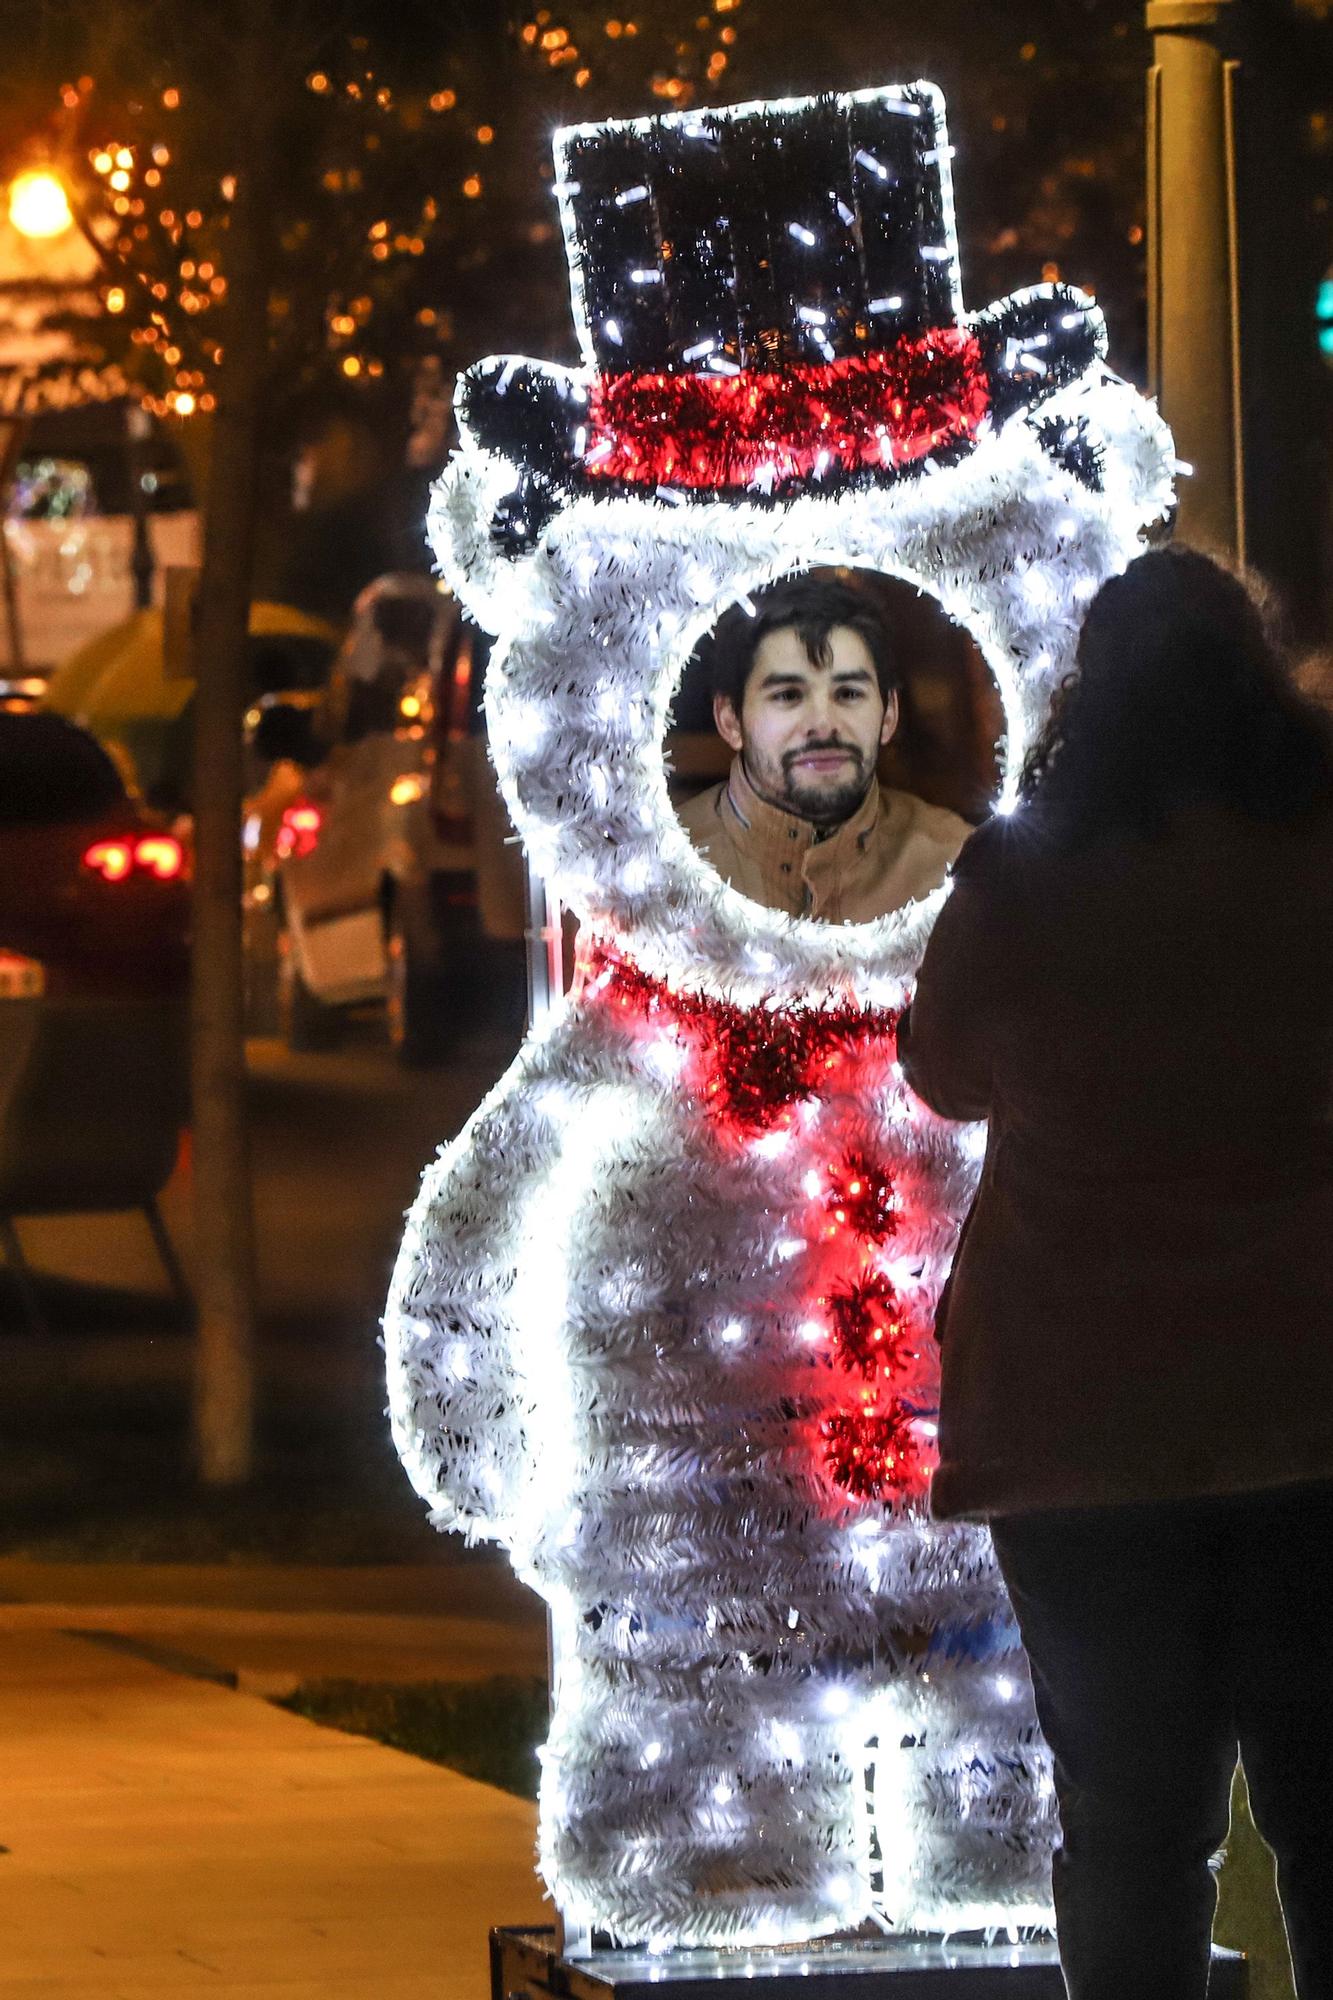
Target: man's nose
{"points": [[821, 715]]}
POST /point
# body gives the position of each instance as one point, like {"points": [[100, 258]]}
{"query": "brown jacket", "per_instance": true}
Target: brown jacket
{"points": [[1142, 1302], [893, 849]]}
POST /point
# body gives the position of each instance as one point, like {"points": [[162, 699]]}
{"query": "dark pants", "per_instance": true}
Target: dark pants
{"points": [[1163, 1640]]}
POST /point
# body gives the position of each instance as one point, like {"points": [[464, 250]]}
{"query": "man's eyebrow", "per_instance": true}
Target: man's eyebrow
{"points": [[780, 677], [775, 677]]}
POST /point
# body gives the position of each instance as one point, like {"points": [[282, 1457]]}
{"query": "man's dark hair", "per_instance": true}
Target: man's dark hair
{"points": [[810, 606]]}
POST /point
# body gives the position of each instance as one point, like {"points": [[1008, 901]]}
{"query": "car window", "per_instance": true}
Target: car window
{"points": [[52, 773]]}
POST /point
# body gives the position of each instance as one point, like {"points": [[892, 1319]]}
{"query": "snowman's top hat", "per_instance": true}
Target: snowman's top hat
{"points": [[768, 302]]}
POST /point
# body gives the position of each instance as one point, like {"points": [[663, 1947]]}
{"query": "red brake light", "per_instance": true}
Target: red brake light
{"points": [[156, 854], [161, 855], [111, 859], [298, 831]]}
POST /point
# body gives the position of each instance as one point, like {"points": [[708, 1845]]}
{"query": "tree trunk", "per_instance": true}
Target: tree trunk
{"points": [[224, 1407]]}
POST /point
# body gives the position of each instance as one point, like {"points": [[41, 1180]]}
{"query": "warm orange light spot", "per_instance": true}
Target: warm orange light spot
{"points": [[115, 299], [485, 134], [351, 364], [111, 859], [183, 403], [102, 163], [444, 100], [472, 186], [171, 99], [160, 855], [38, 204]]}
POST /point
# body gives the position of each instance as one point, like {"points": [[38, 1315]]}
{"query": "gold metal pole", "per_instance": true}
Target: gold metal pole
{"points": [[1194, 272]]}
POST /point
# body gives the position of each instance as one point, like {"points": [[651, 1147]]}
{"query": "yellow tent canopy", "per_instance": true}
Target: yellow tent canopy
{"points": [[120, 676]]}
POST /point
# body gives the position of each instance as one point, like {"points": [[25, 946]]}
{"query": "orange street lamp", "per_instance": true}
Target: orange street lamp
{"points": [[38, 204]]}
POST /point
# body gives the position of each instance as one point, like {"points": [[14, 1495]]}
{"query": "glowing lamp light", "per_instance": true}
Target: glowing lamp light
{"points": [[38, 204]]}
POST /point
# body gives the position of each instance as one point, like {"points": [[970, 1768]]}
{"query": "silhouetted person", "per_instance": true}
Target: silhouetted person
{"points": [[1133, 980]]}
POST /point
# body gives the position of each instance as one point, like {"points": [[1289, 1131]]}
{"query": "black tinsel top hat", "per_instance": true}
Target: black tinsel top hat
{"points": [[768, 302]]}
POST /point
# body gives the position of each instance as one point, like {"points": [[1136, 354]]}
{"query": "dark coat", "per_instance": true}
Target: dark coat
{"points": [[1142, 1302]]}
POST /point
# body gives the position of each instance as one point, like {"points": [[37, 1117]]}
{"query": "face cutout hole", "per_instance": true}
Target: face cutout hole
{"points": [[798, 696]]}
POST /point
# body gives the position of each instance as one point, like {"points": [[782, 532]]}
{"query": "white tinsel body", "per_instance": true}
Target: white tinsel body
{"points": [[597, 1338]]}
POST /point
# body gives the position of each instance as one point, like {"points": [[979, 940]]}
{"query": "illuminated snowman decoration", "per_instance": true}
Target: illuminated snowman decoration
{"points": [[660, 1324]]}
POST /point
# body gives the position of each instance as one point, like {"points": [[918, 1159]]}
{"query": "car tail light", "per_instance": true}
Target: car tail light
{"points": [[158, 854], [298, 831], [113, 860]]}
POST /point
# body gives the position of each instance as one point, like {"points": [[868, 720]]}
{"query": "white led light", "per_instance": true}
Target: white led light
{"points": [[802, 234], [892, 302], [645, 275], [812, 315], [872, 165], [699, 349], [835, 1700], [611, 328], [631, 194]]}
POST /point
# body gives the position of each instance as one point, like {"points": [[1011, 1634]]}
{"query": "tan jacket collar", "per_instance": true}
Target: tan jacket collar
{"points": [[769, 823]]}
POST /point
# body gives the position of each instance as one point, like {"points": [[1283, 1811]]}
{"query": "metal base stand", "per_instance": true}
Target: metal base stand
{"points": [[525, 1965]]}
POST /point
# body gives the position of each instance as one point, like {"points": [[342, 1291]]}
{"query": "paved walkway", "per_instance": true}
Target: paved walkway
{"points": [[167, 1836], [270, 1627]]}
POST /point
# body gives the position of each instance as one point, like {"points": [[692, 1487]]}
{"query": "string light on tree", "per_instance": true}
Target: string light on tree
{"points": [[660, 1323]]}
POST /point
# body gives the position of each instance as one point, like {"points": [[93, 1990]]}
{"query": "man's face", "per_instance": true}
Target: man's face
{"points": [[810, 735]]}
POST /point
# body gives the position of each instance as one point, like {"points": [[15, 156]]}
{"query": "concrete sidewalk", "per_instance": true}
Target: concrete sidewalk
{"points": [[165, 1836], [270, 1627]]}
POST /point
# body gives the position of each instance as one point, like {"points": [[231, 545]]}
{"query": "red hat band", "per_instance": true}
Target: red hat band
{"points": [[753, 430]]}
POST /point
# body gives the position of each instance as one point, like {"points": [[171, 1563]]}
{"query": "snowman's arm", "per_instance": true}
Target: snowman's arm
{"points": [[460, 1415], [945, 1037]]}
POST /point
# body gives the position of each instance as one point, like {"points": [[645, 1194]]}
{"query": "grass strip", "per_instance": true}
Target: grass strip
{"points": [[485, 1729]]}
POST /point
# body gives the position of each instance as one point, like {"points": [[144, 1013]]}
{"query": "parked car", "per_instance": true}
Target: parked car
{"points": [[118, 685], [93, 887], [362, 840], [94, 964]]}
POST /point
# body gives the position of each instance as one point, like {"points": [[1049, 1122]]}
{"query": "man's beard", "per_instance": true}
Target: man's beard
{"points": [[824, 800]]}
